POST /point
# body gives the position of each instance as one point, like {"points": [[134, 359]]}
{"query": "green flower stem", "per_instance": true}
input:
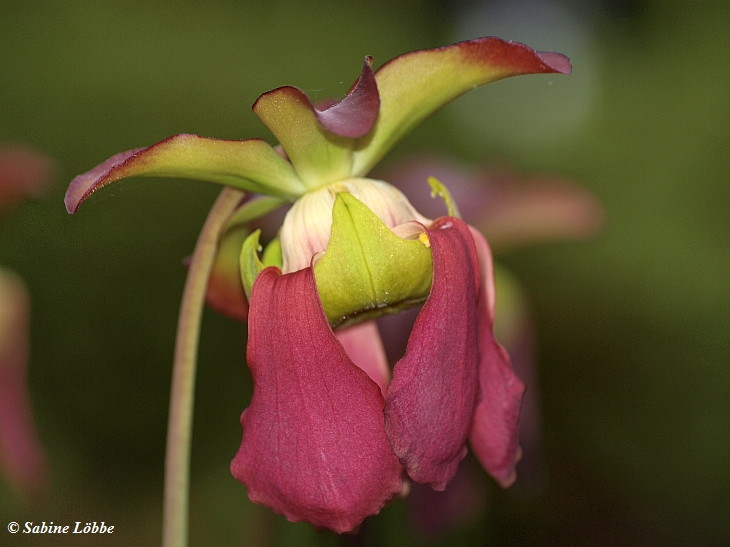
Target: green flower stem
{"points": [[180, 422]]}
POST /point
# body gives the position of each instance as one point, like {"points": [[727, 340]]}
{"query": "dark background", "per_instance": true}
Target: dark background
{"points": [[632, 327]]}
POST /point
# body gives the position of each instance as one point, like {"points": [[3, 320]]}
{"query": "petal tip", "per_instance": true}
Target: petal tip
{"points": [[556, 61], [84, 185], [355, 115]]}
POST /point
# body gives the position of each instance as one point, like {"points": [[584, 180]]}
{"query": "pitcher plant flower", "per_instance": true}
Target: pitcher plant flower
{"points": [[24, 173], [328, 435]]}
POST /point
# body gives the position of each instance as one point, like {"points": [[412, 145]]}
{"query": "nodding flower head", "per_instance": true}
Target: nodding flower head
{"points": [[328, 434]]}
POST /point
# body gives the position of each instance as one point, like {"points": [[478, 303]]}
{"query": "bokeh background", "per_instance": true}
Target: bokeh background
{"points": [[632, 328]]}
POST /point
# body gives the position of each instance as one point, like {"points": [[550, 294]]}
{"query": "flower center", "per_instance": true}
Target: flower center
{"points": [[307, 226]]}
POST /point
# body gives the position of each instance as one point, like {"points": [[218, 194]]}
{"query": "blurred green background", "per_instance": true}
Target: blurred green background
{"points": [[632, 327]]}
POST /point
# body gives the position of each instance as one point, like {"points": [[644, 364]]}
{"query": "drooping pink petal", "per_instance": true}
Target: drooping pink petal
{"points": [[355, 115], [24, 173], [363, 345], [494, 435], [430, 403], [22, 458], [313, 446], [251, 165]]}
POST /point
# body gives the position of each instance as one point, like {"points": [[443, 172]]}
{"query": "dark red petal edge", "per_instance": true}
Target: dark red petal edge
{"points": [[355, 115], [313, 446], [84, 185], [430, 402], [496, 420]]}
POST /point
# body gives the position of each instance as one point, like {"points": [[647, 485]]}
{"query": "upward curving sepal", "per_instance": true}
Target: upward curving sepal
{"points": [[319, 142], [415, 85], [251, 165], [355, 115]]}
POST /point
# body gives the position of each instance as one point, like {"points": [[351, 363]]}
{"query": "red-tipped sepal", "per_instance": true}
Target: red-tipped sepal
{"points": [[251, 165]]}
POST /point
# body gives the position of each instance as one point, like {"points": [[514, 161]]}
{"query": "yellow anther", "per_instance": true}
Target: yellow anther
{"points": [[423, 238]]}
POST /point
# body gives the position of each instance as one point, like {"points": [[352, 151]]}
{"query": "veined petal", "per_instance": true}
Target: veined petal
{"points": [[313, 444], [251, 165], [494, 435], [431, 399], [363, 345], [415, 85]]}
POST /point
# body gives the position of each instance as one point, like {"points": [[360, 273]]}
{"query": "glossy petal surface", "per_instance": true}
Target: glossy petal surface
{"points": [[431, 399], [494, 435], [251, 165], [313, 444], [415, 85]]}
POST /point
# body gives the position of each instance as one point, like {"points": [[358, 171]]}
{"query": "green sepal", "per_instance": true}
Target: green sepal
{"points": [[318, 156], [249, 262], [273, 254], [438, 189], [367, 270]]}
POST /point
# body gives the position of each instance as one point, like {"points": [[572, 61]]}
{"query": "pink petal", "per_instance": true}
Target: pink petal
{"points": [[430, 403], [22, 458], [363, 345], [494, 435], [510, 210], [313, 444]]}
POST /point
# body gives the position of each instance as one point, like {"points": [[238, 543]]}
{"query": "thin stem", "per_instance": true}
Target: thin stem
{"points": [[180, 422]]}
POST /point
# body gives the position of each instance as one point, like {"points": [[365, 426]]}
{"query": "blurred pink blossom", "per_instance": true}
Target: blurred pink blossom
{"points": [[23, 173]]}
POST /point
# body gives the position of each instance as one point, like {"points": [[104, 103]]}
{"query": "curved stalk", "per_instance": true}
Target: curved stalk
{"points": [[180, 421]]}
